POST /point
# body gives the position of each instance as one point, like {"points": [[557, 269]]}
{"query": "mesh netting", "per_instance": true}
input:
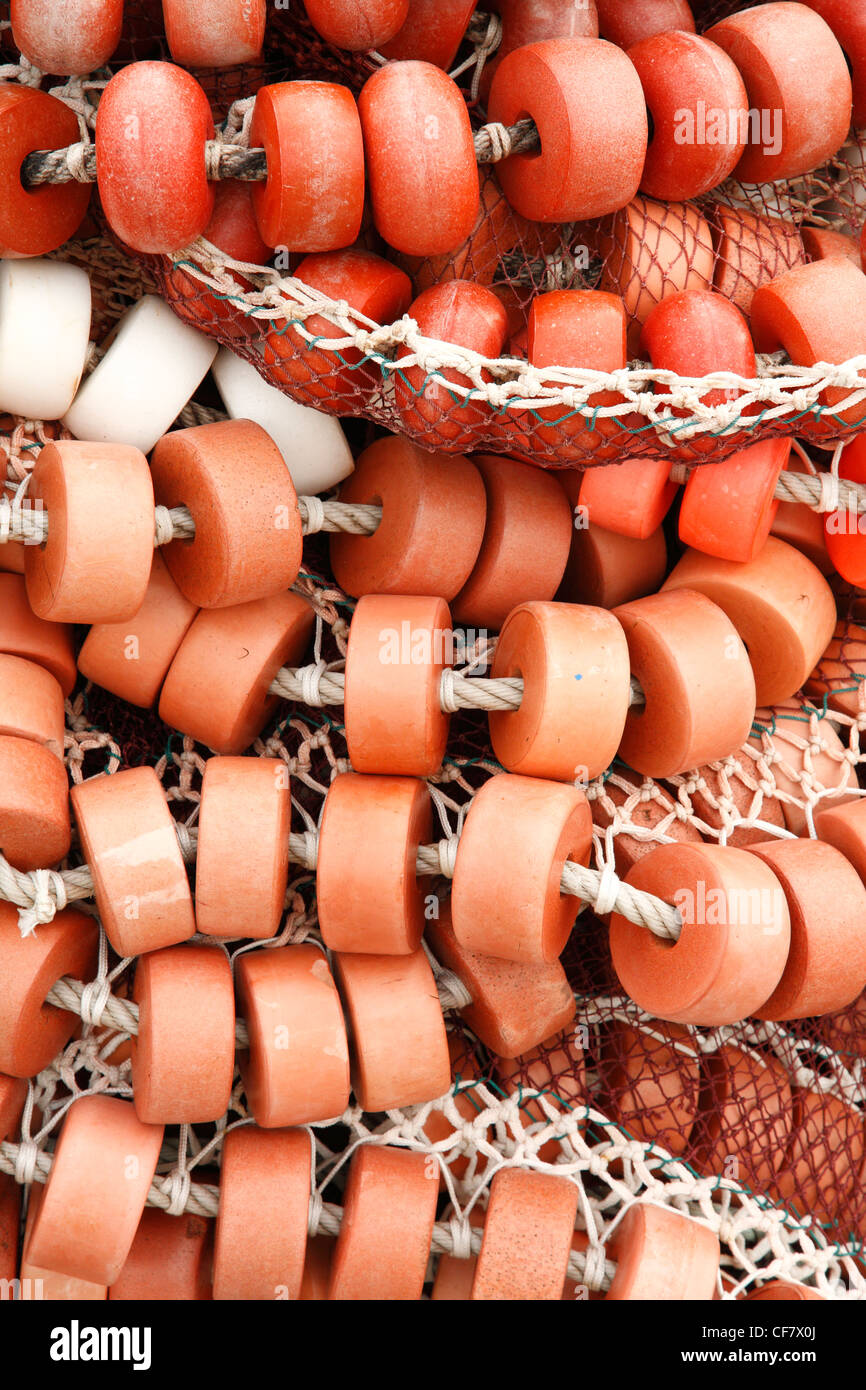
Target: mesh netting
{"points": [[755, 1129]]}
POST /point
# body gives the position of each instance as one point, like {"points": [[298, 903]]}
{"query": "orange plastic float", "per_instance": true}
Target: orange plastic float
{"points": [[660, 1254], [826, 968], [525, 546], [398, 649], [248, 539], [733, 946], [698, 686], [95, 564], [36, 220], [296, 1070], [515, 1005], [358, 24], [261, 1227], [632, 498], [573, 328], [802, 312], [431, 33], [848, 23], [209, 694], [728, 508], [539, 826], [34, 804], [527, 1237], [530, 21], [779, 603], [822, 244], [242, 862], [131, 658], [369, 896], [374, 288], [389, 1208], [102, 1170], [803, 528], [605, 569], [472, 316], [626, 24], [183, 1058], [47, 1284], [575, 670], [22, 633], [687, 81], [224, 36], [139, 879], [696, 333], [31, 1031], [844, 827], [433, 517], [400, 1047], [169, 1260], [31, 703]]}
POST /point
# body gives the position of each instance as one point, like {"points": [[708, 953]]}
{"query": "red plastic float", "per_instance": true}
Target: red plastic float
{"points": [[313, 197], [590, 163], [67, 37], [420, 158], [797, 81], [699, 112], [151, 128]]}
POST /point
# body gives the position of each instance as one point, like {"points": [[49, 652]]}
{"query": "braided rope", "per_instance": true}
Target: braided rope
{"points": [[42, 893], [77, 163], [21, 521]]}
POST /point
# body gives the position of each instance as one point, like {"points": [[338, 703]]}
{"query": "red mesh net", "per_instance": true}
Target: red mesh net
{"points": [[736, 238]]}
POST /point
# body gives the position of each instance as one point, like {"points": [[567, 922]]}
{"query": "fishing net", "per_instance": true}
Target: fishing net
{"points": [[756, 1129]]}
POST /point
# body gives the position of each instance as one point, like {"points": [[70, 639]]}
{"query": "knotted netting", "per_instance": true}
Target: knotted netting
{"points": [[756, 1129]]}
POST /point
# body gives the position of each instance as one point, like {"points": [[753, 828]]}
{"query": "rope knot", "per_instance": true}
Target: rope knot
{"points": [[176, 1185], [47, 893], [448, 692], [315, 1213], [310, 681], [163, 525], [312, 515], [25, 1161], [607, 891], [94, 1001], [447, 850], [594, 1272], [461, 1237]]}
